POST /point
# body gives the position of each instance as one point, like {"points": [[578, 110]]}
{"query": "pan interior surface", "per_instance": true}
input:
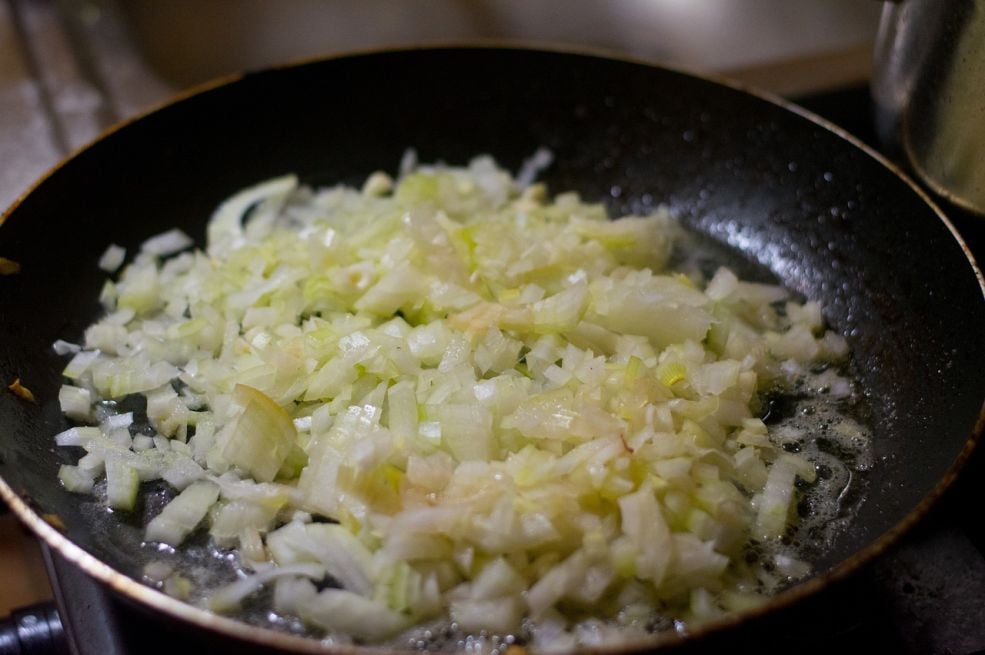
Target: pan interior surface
{"points": [[788, 197]]}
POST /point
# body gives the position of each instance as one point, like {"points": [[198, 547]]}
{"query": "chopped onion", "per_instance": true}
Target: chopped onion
{"points": [[229, 597], [508, 408], [64, 347], [183, 514], [166, 243], [112, 258]]}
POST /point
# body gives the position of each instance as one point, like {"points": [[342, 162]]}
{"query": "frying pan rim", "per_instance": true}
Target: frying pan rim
{"points": [[201, 618]]}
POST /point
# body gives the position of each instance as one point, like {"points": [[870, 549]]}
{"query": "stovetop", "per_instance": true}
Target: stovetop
{"points": [[926, 595]]}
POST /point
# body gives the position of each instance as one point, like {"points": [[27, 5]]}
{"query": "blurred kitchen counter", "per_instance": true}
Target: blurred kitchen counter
{"points": [[67, 72], [23, 580]]}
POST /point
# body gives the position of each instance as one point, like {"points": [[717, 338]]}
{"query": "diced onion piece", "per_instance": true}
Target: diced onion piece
{"points": [[139, 290], [337, 610], [75, 479], [76, 402], [182, 514], [167, 243], [343, 556], [231, 519], [262, 436], [402, 285], [181, 471], [292, 593], [117, 421], [79, 436], [532, 166], [65, 347], [643, 523], [112, 258], [157, 571], [560, 312], [122, 484], [230, 597], [496, 615], [226, 226], [80, 364], [776, 498], [556, 583]]}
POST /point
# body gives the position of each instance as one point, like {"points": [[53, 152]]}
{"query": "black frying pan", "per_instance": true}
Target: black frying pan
{"points": [[787, 193]]}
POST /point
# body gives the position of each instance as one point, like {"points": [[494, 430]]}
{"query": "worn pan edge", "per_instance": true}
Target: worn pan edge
{"points": [[157, 600]]}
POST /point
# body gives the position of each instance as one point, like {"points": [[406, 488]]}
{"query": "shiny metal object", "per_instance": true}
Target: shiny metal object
{"points": [[929, 91]]}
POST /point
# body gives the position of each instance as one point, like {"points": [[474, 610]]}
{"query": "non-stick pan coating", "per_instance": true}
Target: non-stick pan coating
{"points": [[829, 219]]}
